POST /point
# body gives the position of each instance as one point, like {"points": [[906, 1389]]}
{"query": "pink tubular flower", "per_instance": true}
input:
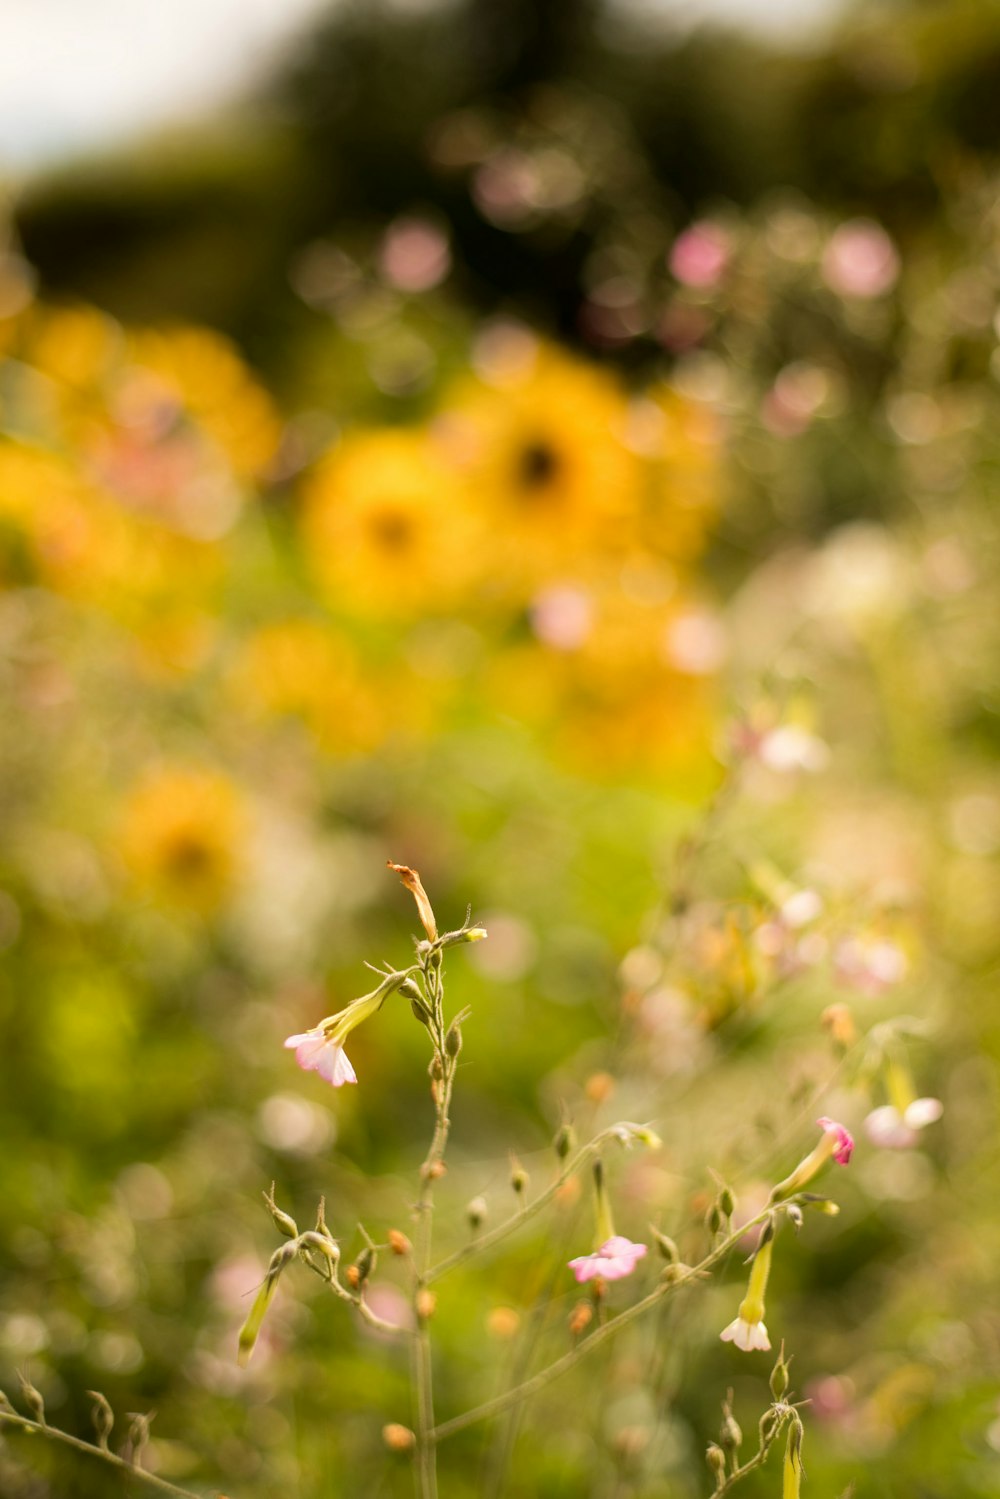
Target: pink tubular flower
{"points": [[315, 1051], [843, 1140], [616, 1258], [836, 1143]]}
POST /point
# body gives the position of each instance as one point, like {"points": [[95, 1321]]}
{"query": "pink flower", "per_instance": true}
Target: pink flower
{"points": [[843, 1140], [315, 1051], [860, 259], [700, 255], [616, 1258]]}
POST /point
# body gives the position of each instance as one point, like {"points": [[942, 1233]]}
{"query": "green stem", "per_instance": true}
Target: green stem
{"points": [[426, 1453], [34, 1428]]}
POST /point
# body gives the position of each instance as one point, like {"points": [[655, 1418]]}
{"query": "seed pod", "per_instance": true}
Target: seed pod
{"points": [[425, 1302], [399, 1243], [475, 1212], [565, 1140]]}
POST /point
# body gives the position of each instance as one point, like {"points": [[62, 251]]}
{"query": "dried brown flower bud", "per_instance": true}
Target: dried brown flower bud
{"points": [[398, 1242]]}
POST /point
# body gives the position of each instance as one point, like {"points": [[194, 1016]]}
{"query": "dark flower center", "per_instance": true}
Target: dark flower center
{"points": [[537, 465]]}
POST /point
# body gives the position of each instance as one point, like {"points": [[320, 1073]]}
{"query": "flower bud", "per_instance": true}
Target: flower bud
{"points": [[32, 1398], [716, 1459], [565, 1140], [420, 1011], [365, 1264], [780, 1376], [433, 1171], [138, 1434], [399, 1243], [398, 1438], [282, 1221], [794, 1215], [727, 1203], [665, 1244], [730, 1435], [425, 1303], [518, 1177], [713, 1219], [102, 1416], [475, 1213], [453, 1040]]}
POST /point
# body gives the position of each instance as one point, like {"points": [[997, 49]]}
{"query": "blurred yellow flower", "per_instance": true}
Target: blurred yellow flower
{"points": [[384, 528], [547, 466], [297, 668], [182, 833]]}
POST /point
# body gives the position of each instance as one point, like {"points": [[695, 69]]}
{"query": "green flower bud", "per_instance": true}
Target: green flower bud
{"points": [[453, 1040], [32, 1398], [282, 1221], [780, 1376], [730, 1435], [475, 1213], [716, 1459], [102, 1416], [565, 1140], [665, 1244]]}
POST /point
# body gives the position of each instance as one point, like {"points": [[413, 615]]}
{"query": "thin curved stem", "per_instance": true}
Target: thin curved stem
{"points": [[523, 1215], [600, 1336], [35, 1428]]}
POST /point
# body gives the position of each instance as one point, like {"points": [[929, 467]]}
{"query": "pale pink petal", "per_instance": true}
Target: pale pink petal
{"points": [[586, 1266], [885, 1127], [923, 1111]]}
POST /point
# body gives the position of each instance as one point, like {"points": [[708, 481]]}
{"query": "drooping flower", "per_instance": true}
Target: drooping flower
{"points": [[322, 1049], [315, 1051], [748, 1330], [836, 1143], [616, 1258]]}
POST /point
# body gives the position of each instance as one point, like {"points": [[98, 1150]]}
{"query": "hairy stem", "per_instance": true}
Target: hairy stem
{"points": [[53, 1434]]}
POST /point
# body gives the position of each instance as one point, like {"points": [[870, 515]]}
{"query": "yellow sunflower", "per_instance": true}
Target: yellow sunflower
{"points": [[547, 466], [182, 836], [384, 528]]}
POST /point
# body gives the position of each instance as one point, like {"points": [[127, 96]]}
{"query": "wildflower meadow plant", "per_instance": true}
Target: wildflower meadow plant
{"points": [[615, 1257]]}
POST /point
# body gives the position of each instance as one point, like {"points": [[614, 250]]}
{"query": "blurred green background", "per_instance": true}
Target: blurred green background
{"points": [[560, 452]]}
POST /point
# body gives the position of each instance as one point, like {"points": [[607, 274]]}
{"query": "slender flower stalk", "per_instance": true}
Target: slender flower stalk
{"points": [[615, 1256]]}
